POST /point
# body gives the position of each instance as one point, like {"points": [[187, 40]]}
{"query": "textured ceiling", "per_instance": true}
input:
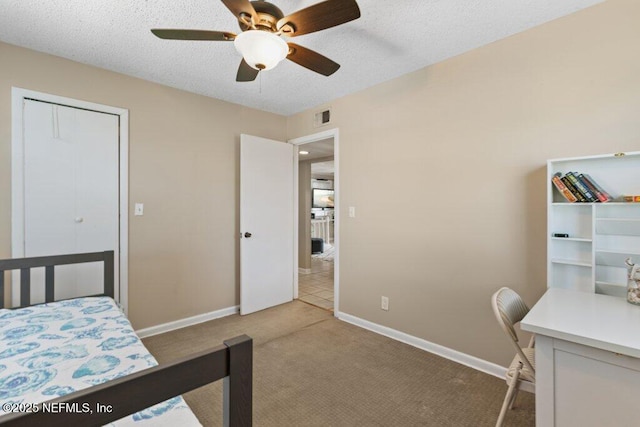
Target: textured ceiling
{"points": [[390, 39]]}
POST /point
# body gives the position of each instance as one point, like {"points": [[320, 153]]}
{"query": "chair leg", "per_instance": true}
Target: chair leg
{"points": [[508, 397], [513, 398]]}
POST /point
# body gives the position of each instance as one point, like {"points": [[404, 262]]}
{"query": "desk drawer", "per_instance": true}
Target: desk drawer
{"points": [[593, 387]]}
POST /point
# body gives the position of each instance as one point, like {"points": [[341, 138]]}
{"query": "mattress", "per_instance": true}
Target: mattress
{"points": [[53, 349]]}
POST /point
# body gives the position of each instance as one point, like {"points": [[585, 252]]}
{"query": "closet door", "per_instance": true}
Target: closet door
{"points": [[70, 191]]}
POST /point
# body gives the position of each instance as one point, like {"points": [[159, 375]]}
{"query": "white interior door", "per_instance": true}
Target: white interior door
{"points": [[266, 223], [70, 191]]}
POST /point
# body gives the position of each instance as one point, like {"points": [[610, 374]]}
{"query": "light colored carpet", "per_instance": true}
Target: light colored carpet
{"points": [[311, 369]]}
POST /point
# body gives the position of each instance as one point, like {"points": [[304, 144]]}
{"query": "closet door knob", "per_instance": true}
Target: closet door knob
{"points": [[247, 235], [79, 219]]}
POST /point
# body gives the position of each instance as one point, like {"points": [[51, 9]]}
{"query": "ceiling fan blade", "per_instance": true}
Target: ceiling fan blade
{"points": [[219, 36], [312, 60], [246, 73], [241, 7], [320, 16]]}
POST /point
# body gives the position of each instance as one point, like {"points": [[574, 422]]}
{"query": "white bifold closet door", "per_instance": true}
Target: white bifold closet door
{"points": [[70, 192]]}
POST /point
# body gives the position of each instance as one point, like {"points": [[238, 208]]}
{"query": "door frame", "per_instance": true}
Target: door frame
{"points": [[18, 95], [335, 134]]}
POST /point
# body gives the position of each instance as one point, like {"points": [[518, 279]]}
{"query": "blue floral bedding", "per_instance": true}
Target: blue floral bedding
{"points": [[53, 349]]}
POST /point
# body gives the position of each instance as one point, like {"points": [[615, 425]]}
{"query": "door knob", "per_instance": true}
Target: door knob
{"points": [[79, 219], [247, 235]]}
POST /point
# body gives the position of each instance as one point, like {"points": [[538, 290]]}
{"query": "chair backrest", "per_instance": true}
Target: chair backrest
{"points": [[509, 309]]}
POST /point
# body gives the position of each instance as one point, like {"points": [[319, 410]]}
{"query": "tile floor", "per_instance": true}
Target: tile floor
{"points": [[316, 288]]}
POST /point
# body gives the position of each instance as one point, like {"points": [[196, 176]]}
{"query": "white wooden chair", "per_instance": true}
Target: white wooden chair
{"points": [[510, 309]]}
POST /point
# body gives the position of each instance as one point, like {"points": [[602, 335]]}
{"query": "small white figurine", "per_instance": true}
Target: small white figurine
{"points": [[633, 283]]}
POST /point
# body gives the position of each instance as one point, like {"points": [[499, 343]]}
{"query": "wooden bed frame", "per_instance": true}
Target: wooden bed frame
{"points": [[132, 393]]}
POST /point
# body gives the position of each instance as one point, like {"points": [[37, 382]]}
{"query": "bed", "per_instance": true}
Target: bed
{"points": [[79, 361]]}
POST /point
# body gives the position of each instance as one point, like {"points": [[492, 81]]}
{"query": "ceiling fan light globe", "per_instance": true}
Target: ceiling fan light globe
{"points": [[262, 50]]}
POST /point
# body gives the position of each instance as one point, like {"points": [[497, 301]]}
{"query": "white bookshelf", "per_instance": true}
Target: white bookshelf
{"points": [[601, 235]]}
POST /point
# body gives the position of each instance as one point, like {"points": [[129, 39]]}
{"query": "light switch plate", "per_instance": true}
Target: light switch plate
{"points": [[352, 212], [139, 209]]}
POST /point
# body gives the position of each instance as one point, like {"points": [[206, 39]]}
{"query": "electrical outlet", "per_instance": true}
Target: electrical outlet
{"points": [[384, 303], [352, 212], [138, 209]]}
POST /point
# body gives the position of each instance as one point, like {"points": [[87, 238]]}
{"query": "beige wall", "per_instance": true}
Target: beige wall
{"points": [[446, 167], [304, 214], [184, 154]]}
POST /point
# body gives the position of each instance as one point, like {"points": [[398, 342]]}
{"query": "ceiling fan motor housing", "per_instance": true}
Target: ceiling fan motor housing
{"points": [[268, 16]]}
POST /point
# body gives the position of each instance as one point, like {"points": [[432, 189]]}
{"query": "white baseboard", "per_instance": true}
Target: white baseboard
{"points": [[189, 321], [304, 270], [448, 353]]}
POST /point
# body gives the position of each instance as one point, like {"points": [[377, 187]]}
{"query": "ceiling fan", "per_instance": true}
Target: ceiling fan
{"points": [[262, 24]]}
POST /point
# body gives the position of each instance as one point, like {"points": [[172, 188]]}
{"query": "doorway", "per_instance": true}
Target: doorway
{"points": [[318, 219], [69, 186]]}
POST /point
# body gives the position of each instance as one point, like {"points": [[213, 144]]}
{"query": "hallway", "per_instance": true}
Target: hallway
{"points": [[316, 288]]}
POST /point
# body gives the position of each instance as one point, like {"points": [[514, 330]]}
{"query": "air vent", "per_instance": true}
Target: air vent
{"points": [[322, 118]]}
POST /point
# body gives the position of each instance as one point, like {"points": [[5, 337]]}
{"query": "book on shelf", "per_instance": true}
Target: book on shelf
{"points": [[566, 193], [602, 195], [573, 190], [581, 187]]}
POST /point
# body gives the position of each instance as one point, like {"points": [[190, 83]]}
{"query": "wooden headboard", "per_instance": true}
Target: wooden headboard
{"points": [[49, 263]]}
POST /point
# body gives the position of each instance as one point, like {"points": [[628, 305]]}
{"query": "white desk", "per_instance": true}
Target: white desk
{"points": [[587, 359]]}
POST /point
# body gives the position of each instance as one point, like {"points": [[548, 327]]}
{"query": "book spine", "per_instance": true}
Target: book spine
{"points": [[591, 186], [563, 189], [599, 188], [587, 185], [573, 189], [580, 187]]}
